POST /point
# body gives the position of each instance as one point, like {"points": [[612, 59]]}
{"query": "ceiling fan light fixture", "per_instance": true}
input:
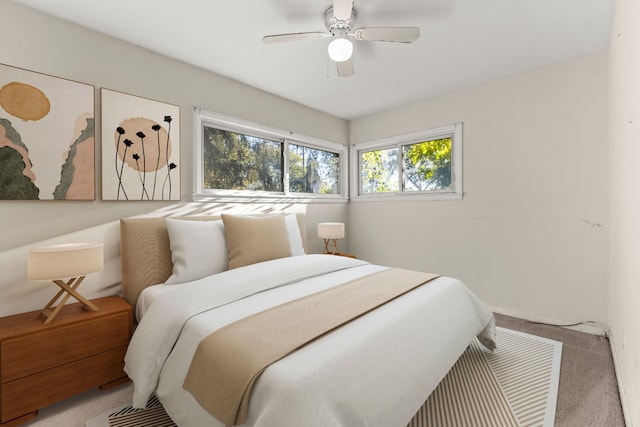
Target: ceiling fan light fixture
{"points": [[340, 49]]}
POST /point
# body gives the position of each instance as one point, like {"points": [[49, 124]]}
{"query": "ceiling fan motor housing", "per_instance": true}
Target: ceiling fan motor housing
{"points": [[339, 27]]}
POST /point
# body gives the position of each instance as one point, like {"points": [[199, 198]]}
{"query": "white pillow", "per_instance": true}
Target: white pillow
{"points": [[294, 234], [198, 249]]}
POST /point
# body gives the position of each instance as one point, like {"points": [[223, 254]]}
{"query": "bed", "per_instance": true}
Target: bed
{"points": [[193, 276]]}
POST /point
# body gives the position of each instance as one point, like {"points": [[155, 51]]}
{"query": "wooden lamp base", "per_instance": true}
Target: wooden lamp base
{"points": [[68, 289], [334, 245]]}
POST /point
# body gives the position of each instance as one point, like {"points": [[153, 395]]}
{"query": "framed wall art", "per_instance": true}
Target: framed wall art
{"points": [[47, 137], [140, 148]]}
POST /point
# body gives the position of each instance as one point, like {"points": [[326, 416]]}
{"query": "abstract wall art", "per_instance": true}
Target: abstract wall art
{"points": [[47, 137], [140, 148]]}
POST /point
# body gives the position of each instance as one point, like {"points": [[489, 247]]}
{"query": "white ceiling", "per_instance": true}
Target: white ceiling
{"points": [[462, 42]]}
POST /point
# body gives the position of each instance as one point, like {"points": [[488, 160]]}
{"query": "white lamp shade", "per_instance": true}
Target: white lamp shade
{"points": [[340, 49], [330, 230], [64, 260]]}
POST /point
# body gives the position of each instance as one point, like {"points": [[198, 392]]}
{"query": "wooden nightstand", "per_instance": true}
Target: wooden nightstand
{"points": [[348, 255], [341, 254], [43, 364]]}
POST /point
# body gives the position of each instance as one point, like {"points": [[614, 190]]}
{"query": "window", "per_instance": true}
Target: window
{"points": [[235, 158], [425, 164]]}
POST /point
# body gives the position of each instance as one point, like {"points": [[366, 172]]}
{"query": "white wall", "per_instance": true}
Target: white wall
{"points": [[38, 42], [530, 235], [624, 61]]}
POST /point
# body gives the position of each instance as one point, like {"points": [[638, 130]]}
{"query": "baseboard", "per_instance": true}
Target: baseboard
{"points": [[593, 327], [621, 390]]}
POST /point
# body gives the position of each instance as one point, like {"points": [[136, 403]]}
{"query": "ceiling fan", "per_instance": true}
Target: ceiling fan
{"points": [[339, 20]]}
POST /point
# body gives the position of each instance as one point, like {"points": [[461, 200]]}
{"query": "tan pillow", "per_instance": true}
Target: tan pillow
{"points": [[253, 239]]}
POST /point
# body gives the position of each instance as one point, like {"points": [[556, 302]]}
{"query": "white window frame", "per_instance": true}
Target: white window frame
{"points": [[203, 117], [455, 193]]}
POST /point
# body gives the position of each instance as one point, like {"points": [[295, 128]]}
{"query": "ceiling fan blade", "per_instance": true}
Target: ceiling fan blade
{"points": [[345, 69], [388, 34], [342, 9], [280, 38]]}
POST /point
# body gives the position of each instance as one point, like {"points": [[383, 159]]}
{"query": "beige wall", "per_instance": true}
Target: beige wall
{"points": [[530, 235], [41, 43], [625, 201]]}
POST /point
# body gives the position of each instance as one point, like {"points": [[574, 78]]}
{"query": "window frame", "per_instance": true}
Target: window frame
{"points": [[232, 124], [455, 193]]}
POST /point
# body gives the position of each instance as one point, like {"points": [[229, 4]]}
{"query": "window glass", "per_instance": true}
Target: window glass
{"points": [[427, 165], [379, 171], [234, 161], [312, 170]]}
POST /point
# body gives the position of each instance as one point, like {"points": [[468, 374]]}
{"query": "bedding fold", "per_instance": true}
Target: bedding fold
{"points": [[228, 361]]}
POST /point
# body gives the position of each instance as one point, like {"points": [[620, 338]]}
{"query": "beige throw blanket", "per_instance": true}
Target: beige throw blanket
{"points": [[227, 362]]}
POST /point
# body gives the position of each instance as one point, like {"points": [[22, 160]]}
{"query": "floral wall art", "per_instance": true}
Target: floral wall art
{"points": [[47, 138], [140, 148]]}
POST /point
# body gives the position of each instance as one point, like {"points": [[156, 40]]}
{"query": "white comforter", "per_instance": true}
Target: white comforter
{"points": [[374, 371]]}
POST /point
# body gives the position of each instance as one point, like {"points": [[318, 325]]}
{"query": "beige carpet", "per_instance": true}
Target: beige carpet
{"points": [[514, 386]]}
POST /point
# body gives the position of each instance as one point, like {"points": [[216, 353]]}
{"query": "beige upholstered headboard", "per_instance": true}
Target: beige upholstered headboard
{"points": [[146, 252]]}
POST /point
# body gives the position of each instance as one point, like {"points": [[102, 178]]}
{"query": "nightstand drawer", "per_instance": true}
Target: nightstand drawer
{"points": [[55, 346], [37, 391]]}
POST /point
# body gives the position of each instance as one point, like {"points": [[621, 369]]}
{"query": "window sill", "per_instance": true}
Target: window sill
{"points": [[403, 197], [239, 197]]}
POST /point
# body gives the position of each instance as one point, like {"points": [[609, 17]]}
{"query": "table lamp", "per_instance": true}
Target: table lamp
{"points": [[71, 261], [331, 232]]}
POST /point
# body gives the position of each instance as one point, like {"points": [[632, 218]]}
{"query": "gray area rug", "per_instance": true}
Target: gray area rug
{"points": [[517, 385]]}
